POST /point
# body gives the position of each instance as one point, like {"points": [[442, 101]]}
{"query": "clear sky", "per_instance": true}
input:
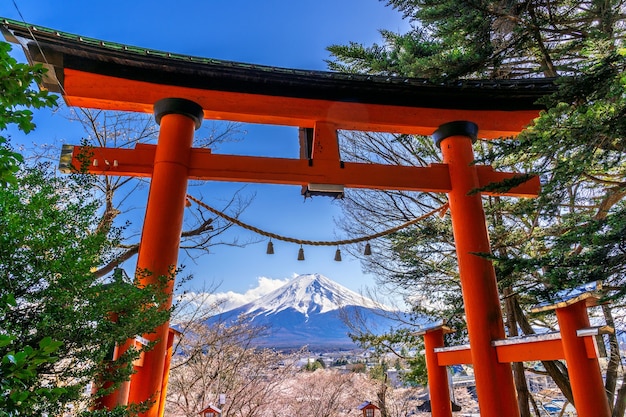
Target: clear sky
{"points": [[292, 34]]}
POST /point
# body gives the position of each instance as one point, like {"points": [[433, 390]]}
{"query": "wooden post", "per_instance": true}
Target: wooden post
{"points": [[120, 395], [439, 387], [585, 377], [494, 380], [166, 369], [158, 252]]}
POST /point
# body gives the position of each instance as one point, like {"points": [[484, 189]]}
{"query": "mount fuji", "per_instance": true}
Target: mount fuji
{"points": [[310, 310]]}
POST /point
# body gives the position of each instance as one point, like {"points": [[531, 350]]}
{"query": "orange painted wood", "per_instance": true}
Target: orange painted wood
{"points": [[137, 162], [120, 395], [438, 384], [544, 350], [325, 143], [585, 377], [524, 350], [175, 162], [454, 357], [205, 165], [494, 380], [591, 347], [537, 350], [166, 370], [91, 90], [158, 251]]}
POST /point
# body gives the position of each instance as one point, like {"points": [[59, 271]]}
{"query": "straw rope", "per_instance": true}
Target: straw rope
{"points": [[442, 209]]}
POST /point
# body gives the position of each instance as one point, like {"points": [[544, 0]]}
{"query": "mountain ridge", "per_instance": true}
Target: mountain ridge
{"points": [[308, 292], [310, 310]]}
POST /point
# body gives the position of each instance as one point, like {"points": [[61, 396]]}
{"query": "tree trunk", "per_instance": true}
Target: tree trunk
{"points": [[614, 358], [382, 397], [521, 385], [620, 402], [519, 375], [565, 404], [556, 369], [534, 404]]}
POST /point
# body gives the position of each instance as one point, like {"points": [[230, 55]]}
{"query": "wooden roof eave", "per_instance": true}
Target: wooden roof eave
{"points": [[92, 73]]}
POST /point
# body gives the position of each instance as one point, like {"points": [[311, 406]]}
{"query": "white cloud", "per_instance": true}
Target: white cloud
{"points": [[264, 286], [212, 303]]}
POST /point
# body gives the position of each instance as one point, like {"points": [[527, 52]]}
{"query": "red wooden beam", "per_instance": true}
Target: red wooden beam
{"points": [[101, 74], [530, 348], [542, 347], [84, 89], [455, 355], [205, 165]]}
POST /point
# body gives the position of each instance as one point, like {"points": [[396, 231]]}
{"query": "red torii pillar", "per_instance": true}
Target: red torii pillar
{"points": [[439, 388], [575, 342], [494, 381], [158, 251], [166, 370], [585, 376]]}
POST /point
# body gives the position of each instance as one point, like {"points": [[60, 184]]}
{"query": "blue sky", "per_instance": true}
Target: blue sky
{"points": [[282, 33]]}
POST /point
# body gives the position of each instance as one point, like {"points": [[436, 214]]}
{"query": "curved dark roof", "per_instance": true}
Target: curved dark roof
{"points": [[64, 50]]}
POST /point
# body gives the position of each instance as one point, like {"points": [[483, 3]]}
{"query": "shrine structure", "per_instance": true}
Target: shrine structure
{"points": [[183, 90]]}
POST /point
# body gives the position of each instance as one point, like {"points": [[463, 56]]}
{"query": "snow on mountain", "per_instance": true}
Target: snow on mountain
{"points": [[310, 310], [307, 294]]}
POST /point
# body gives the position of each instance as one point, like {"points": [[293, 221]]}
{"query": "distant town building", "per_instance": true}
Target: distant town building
{"points": [[368, 409]]}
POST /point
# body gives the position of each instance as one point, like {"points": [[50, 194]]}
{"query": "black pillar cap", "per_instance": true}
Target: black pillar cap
{"points": [[179, 106], [457, 128]]}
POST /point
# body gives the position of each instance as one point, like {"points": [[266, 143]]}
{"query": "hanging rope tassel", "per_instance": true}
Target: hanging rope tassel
{"points": [[270, 248], [368, 250], [338, 255]]}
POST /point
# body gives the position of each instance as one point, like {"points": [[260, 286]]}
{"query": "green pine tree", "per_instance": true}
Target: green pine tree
{"points": [[572, 234], [56, 331]]}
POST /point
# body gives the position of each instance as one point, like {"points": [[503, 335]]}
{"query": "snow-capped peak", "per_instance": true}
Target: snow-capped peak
{"points": [[310, 293]]}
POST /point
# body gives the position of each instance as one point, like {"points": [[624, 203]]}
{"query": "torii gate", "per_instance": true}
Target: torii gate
{"points": [[183, 90]]}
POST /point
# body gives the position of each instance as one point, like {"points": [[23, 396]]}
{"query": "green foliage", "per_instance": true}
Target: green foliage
{"points": [[56, 330], [407, 54], [379, 371], [575, 232], [340, 362], [414, 54], [54, 233], [405, 345], [453, 39], [570, 234], [579, 250], [578, 147], [426, 253], [9, 163], [582, 135], [116, 412], [15, 84], [18, 374], [16, 97], [49, 244], [417, 373], [21, 392], [312, 366]]}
